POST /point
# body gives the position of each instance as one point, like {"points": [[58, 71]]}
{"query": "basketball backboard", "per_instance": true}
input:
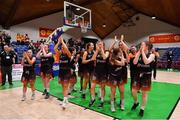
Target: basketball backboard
{"points": [[77, 16]]}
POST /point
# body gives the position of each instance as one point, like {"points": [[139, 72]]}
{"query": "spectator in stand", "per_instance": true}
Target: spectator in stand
{"points": [[18, 38], [22, 39], [7, 59], [1, 43], [41, 41], [44, 41], [155, 52], [169, 60], [26, 38], [7, 38], [14, 53], [31, 46]]}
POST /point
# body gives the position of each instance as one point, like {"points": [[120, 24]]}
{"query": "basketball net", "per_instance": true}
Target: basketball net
{"points": [[83, 26]]}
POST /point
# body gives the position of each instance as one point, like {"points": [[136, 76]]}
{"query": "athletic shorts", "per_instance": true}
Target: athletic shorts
{"points": [[124, 76], [111, 81], [28, 76], [65, 75], [46, 72], [73, 78], [99, 78], [142, 81]]}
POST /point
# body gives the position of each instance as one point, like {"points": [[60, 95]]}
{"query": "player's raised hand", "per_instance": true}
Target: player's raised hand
{"points": [[122, 38], [115, 38]]}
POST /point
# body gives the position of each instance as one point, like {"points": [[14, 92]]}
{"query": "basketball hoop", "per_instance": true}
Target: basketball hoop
{"points": [[80, 19]]}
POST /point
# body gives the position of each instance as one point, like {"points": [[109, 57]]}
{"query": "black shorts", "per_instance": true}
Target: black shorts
{"points": [[80, 69], [142, 81], [124, 75], [132, 75], [46, 72], [88, 69], [80, 72], [28, 76], [73, 75], [112, 80], [65, 75], [99, 78], [73, 78]]}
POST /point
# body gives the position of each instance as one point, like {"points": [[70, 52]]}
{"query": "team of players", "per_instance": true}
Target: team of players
{"points": [[96, 66]]}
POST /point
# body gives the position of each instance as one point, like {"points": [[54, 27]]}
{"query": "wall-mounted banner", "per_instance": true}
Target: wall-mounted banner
{"points": [[170, 38], [45, 32]]}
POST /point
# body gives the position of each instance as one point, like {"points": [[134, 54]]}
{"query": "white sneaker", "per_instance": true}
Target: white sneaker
{"points": [[23, 98], [64, 105], [70, 96], [67, 101], [122, 107], [33, 96], [112, 108]]}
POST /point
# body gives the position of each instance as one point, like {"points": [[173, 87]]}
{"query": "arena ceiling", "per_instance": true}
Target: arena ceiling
{"points": [[111, 13]]}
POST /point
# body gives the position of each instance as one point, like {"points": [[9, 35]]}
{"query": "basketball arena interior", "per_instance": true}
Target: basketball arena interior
{"points": [[89, 59]]}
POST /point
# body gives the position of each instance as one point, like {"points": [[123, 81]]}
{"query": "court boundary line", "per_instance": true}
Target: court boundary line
{"points": [[172, 111]]}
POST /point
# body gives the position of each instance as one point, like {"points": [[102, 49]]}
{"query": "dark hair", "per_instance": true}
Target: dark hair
{"points": [[120, 43], [87, 46], [71, 49], [149, 44], [31, 50], [115, 53]]}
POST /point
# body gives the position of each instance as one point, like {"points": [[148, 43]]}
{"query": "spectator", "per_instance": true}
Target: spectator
{"points": [[31, 46], [155, 52], [18, 38], [7, 59], [41, 41], [5, 38], [22, 39], [44, 41], [15, 54], [169, 60], [26, 38]]}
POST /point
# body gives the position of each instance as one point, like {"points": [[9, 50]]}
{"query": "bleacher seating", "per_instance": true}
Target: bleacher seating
{"points": [[19, 49]]}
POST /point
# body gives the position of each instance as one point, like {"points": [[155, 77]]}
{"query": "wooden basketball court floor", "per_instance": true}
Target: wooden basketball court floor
{"points": [[11, 106]]}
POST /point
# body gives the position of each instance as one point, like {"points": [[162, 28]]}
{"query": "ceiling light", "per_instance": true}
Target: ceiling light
{"points": [[153, 17], [78, 9], [104, 25]]}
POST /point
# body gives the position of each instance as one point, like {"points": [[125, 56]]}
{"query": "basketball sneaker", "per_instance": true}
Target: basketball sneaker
{"points": [[33, 96], [134, 106]]}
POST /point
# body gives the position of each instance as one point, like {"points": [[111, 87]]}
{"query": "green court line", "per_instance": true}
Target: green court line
{"points": [[164, 70], [15, 84], [161, 100]]}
